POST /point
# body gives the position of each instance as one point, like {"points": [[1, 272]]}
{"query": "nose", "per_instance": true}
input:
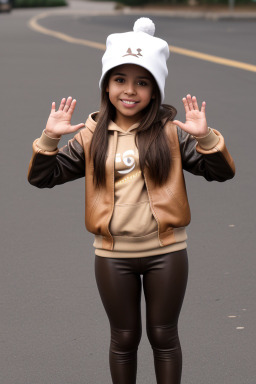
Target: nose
{"points": [[130, 89]]}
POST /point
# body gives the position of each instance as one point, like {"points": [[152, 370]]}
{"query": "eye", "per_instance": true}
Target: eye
{"points": [[142, 83], [119, 80]]}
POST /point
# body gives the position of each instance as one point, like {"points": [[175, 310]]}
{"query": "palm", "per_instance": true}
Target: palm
{"points": [[59, 122], [196, 123]]}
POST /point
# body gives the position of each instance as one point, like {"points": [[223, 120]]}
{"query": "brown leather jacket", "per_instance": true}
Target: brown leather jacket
{"points": [[169, 203]]}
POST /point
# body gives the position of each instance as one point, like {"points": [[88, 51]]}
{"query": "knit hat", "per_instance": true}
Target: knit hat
{"points": [[139, 47]]}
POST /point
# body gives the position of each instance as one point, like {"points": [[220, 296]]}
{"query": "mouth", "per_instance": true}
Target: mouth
{"points": [[129, 102]]}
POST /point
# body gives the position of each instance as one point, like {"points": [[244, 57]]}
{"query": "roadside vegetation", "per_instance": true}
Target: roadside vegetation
{"points": [[38, 3]]}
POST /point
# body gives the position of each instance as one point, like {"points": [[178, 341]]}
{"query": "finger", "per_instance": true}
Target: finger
{"points": [[72, 106], [179, 123], [195, 105], [203, 106], [53, 107], [62, 104], [68, 103], [185, 103], [190, 104], [77, 126]]}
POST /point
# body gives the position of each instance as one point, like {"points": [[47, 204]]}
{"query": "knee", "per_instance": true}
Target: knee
{"points": [[163, 336], [125, 340]]}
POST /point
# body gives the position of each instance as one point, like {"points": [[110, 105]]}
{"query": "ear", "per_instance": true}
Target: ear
{"points": [[153, 96], [107, 88]]}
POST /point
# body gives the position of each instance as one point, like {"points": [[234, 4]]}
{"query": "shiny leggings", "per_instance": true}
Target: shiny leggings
{"points": [[164, 283]]}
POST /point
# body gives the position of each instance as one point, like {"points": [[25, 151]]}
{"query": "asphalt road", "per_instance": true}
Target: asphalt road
{"points": [[53, 327]]}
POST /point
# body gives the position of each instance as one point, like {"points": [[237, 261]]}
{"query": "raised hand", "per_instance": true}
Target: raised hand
{"points": [[196, 123], [59, 122]]}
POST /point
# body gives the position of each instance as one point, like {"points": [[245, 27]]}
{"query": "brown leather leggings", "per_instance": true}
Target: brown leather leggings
{"points": [[164, 283]]}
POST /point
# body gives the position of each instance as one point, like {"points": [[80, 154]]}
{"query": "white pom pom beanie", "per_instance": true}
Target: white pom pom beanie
{"points": [[139, 47]]}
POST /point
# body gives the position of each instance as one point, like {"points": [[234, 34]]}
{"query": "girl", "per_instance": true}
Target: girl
{"points": [[132, 153]]}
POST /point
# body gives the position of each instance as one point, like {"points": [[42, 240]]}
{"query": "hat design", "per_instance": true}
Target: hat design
{"points": [[152, 53], [129, 52]]}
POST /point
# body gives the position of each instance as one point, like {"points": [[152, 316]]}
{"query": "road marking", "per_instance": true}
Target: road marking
{"points": [[62, 36], [33, 24], [214, 59]]}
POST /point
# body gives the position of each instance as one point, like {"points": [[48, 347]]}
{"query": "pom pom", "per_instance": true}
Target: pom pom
{"points": [[144, 24]]}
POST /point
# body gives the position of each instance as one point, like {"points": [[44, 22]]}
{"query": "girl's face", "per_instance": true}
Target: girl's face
{"points": [[130, 90]]}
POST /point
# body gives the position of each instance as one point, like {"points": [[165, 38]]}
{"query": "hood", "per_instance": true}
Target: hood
{"points": [[91, 124]]}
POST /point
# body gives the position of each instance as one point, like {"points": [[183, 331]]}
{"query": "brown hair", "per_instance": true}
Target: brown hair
{"points": [[151, 140]]}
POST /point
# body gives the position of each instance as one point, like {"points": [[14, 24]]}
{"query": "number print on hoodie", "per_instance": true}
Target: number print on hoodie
{"points": [[128, 158]]}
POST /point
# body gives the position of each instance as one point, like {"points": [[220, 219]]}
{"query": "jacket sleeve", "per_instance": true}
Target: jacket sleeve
{"points": [[50, 166], [207, 157]]}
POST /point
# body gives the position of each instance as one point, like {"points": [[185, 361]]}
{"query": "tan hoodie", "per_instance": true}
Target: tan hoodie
{"points": [[133, 225]]}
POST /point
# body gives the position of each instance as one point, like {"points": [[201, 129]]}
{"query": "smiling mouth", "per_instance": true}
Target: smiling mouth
{"points": [[129, 102]]}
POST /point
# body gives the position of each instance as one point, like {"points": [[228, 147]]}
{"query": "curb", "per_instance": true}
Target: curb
{"points": [[186, 14]]}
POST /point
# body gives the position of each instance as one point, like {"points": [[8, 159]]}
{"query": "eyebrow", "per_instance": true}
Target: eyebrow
{"points": [[123, 74]]}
